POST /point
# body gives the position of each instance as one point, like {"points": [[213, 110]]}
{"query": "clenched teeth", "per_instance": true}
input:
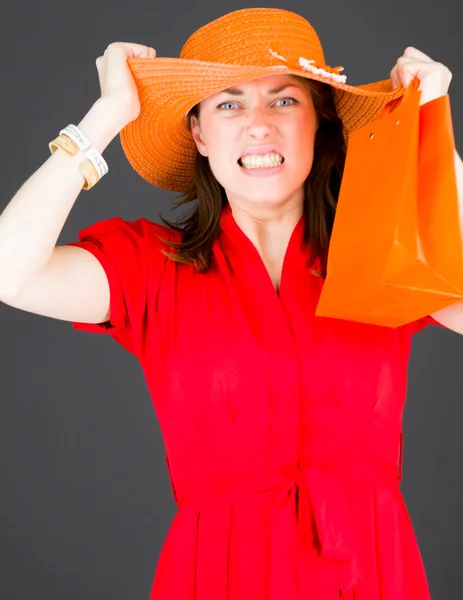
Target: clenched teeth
{"points": [[257, 160]]}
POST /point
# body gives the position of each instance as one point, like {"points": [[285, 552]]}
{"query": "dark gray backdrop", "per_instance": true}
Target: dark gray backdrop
{"points": [[85, 500]]}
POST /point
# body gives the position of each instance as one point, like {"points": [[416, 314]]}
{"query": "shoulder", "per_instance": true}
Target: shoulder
{"points": [[128, 232], [156, 230]]}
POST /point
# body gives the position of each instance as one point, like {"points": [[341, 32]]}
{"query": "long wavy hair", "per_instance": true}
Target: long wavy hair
{"points": [[321, 190]]}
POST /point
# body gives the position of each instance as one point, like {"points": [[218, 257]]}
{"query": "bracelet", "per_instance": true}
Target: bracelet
{"points": [[97, 160], [72, 140], [90, 174], [77, 136], [65, 143], [93, 168]]}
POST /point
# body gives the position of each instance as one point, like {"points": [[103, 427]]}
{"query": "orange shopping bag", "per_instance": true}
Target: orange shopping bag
{"points": [[395, 253]]}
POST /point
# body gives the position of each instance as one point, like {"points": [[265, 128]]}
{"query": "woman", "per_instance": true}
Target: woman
{"points": [[282, 430]]}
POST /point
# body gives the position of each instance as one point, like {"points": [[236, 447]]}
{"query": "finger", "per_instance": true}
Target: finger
{"points": [[395, 77], [145, 52], [116, 55], [407, 74], [100, 69], [410, 60], [412, 65], [413, 52], [129, 48], [406, 69], [394, 72]]}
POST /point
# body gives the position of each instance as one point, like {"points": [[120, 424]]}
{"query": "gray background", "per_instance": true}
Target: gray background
{"points": [[85, 500]]}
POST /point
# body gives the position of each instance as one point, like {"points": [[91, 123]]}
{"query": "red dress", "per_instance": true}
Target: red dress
{"points": [[282, 430]]}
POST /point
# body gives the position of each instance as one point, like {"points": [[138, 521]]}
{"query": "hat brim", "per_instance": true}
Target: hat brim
{"points": [[159, 145]]}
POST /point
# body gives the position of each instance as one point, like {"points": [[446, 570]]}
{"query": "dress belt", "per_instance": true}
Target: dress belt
{"points": [[305, 487]]}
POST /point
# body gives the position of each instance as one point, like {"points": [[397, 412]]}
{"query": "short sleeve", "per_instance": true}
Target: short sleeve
{"points": [[129, 252], [420, 324]]}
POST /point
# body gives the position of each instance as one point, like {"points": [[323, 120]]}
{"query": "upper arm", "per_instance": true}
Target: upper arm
{"points": [[101, 283], [73, 287]]}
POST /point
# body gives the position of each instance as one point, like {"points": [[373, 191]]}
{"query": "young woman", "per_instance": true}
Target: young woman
{"points": [[282, 430]]}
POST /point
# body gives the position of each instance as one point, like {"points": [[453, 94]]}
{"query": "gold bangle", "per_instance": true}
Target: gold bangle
{"points": [[65, 143], [90, 174], [86, 167]]}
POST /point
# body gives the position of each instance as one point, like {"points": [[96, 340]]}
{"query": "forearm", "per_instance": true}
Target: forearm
{"points": [[32, 221]]}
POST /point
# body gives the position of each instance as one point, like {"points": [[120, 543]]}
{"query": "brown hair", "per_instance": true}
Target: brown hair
{"points": [[321, 191]]}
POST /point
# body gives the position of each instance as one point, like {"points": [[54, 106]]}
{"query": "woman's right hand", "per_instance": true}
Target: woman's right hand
{"points": [[116, 79]]}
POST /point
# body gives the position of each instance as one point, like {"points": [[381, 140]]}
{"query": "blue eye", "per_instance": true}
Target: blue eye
{"points": [[220, 105], [287, 98]]}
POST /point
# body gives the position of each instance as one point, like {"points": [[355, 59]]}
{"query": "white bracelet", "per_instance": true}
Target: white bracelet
{"points": [[97, 161], [77, 136], [84, 145]]}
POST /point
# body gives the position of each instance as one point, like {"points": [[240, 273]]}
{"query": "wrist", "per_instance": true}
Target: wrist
{"points": [[102, 123]]}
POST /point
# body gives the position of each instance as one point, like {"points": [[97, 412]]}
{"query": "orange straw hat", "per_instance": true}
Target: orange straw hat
{"points": [[237, 47]]}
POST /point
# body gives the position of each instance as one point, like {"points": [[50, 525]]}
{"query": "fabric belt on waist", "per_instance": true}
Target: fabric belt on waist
{"points": [[305, 487]]}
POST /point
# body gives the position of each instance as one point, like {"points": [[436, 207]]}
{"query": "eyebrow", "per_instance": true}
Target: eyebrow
{"points": [[236, 92]]}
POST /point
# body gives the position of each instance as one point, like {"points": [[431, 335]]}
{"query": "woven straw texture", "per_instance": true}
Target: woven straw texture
{"points": [[237, 47]]}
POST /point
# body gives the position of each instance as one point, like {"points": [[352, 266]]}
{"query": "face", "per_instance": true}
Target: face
{"points": [[255, 114]]}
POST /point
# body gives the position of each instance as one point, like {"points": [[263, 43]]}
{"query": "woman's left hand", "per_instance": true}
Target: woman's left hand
{"points": [[434, 76]]}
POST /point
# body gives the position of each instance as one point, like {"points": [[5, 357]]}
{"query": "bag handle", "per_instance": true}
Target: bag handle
{"points": [[393, 104]]}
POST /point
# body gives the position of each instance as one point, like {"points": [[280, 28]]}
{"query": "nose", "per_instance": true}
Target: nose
{"points": [[259, 122]]}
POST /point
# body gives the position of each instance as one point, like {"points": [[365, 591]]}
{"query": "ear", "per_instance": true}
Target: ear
{"points": [[196, 132]]}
